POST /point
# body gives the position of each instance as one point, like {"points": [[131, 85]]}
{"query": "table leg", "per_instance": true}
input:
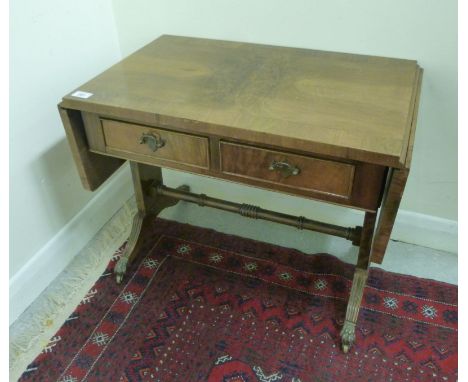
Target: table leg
{"points": [[348, 335], [129, 253], [149, 206]]}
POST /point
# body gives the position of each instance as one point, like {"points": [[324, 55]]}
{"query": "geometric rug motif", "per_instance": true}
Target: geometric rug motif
{"points": [[199, 305]]}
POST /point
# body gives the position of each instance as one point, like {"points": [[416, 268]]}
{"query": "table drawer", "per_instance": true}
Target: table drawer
{"points": [[290, 170], [154, 143]]}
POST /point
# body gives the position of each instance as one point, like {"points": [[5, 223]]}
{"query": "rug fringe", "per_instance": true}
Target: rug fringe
{"points": [[31, 332]]}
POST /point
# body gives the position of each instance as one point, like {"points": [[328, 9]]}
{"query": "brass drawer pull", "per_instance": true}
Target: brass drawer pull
{"points": [[154, 141], [286, 168]]}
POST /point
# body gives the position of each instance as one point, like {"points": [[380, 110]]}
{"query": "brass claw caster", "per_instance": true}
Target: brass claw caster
{"points": [[348, 336], [120, 269]]}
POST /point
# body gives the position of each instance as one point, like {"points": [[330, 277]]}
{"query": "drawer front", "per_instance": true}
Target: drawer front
{"points": [[154, 143], [290, 170]]}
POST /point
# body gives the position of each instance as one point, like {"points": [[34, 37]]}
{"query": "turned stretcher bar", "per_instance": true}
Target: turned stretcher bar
{"points": [[251, 211]]}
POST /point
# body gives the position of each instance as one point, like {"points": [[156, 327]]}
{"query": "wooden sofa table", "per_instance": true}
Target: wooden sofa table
{"points": [[334, 127]]}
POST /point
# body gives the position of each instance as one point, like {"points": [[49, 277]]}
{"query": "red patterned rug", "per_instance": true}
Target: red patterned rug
{"points": [[205, 306]]}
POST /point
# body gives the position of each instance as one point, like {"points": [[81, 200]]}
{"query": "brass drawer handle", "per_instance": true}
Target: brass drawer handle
{"points": [[286, 168], [153, 140]]}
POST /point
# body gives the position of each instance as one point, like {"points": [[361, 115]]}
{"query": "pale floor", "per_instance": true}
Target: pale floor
{"points": [[400, 257]]}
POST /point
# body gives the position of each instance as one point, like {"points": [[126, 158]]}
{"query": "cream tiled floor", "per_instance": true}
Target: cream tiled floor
{"points": [[400, 257]]}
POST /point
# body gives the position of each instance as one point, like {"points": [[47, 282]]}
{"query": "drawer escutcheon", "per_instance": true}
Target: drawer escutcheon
{"points": [[153, 140], [284, 167]]}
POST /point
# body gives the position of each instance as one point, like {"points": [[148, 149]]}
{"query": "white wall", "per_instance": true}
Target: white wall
{"points": [[54, 47], [425, 30]]}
